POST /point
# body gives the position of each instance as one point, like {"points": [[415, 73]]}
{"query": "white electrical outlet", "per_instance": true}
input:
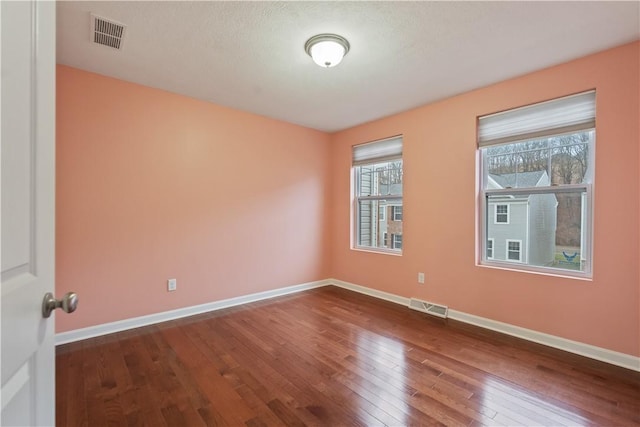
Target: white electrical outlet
{"points": [[421, 278], [172, 284]]}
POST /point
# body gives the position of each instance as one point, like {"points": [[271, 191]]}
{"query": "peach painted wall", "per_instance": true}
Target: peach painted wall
{"points": [[153, 185], [440, 209]]}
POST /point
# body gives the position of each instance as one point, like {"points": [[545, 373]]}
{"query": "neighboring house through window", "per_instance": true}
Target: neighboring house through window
{"points": [[377, 174], [536, 171]]}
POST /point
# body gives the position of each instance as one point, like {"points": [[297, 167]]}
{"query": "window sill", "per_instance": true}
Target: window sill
{"points": [[380, 251], [522, 268]]}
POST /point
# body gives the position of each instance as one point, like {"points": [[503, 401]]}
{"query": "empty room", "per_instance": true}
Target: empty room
{"points": [[320, 213]]}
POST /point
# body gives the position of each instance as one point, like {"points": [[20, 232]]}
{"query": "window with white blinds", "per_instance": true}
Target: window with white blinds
{"points": [[378, 151], [377, 206], [536, 172], [564, 115]]}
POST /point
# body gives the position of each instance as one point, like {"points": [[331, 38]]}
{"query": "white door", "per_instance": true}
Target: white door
{"points": [[28, 222]]}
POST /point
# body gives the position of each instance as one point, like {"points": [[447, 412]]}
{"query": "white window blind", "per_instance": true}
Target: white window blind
{"points": [[569, 114], [378, 151]]}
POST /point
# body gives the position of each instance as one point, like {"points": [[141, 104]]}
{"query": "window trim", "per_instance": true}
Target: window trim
{"points": [[382, 209], [394, 212], [384, 150], [394, 241], [506, 249], [495, 214], [533, 122], [493, 248]]}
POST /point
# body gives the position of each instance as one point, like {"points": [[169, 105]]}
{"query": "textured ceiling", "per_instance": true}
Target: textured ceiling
{"points": [[250, 55]]}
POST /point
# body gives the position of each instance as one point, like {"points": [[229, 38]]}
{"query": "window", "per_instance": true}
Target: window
{"points": [[536, 173], [397, 241], [501, 214], [377, 174], [490, 248], [513, 250], [397, 213]]}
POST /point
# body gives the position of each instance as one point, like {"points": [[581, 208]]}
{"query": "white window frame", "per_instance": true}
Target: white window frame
{"points": [[394, 211], [493, 247], [506, 248], [580, 120], [372, 153], [495, 213], [382, 212], [396, 238]]}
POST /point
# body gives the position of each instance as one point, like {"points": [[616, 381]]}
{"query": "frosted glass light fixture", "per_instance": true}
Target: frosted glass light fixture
{"points": [[327, 50]]}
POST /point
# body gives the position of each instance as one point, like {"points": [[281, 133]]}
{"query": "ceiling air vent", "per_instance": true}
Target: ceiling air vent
{"points": [[428, 307], [107, 32]]}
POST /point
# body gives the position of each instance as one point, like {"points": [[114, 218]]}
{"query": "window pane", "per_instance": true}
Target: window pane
{"points": [[570, 158], [380, 179], [517, 165], [544, 230], [557, 160], [376, 227]]}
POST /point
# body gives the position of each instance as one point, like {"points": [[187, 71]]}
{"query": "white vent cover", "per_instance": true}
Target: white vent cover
{"points": [[428, 307], [107, 32]]}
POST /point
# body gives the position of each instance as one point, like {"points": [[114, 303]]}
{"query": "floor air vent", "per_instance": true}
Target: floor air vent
{"points": [[428, 307], [107, 32]]}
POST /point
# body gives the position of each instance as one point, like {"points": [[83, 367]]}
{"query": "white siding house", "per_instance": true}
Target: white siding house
{"points": [[521, 228]]}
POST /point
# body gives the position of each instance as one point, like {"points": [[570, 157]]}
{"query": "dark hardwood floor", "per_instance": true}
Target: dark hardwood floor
{"points": [[332, 357]]}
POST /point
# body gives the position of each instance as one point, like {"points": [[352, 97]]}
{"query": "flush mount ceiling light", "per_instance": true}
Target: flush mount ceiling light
{"points": [[327, 50]]}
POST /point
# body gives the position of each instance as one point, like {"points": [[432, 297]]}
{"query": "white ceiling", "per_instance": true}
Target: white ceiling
{"points": [[250, 55]]}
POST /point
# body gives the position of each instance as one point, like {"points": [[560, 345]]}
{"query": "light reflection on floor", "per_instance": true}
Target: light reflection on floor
{"points": [[383, 363], [384, 360], [514, 406]]}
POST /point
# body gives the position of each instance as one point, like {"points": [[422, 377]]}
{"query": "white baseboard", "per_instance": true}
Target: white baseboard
{"points": [[587, 350], [368, 291], [136, 322]]}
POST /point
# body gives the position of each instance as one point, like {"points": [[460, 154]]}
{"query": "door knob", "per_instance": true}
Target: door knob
{"points": [[68, 303]]}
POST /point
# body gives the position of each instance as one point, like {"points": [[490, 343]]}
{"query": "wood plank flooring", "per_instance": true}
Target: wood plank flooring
{"points": [[331, 357]]}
